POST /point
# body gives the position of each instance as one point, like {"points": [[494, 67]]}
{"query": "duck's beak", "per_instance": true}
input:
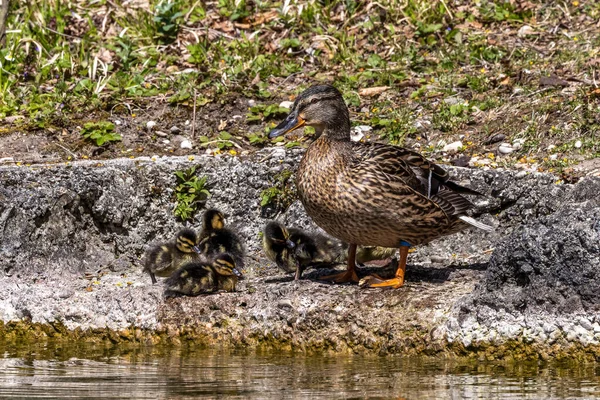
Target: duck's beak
{"points": [[292, 122], [290, 244], [238, 273], [196, 249]]}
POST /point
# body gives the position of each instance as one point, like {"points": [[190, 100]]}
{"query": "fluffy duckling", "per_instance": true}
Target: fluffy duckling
{"points": [[165, 258], [197, 278], [294, 250], [365, 254], [215, 238]]}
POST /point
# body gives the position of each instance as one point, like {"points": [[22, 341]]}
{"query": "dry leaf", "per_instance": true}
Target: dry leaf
{"points": [[373, 91]]}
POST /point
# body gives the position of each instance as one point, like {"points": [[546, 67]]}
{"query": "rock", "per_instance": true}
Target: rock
{"points": [[521, 174], [453, 147], [550, 264], [525, 30], [186, 144], [358, 132], [505, 148], [175, 130], [518, 143], [577, 144], [11, 119], [462, 161], [150, 125], [161, 134], [88, 227], [286, 104]]}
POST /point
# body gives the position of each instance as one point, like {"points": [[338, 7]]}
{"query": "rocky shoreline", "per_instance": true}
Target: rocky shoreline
{"points": [[71, 238]]}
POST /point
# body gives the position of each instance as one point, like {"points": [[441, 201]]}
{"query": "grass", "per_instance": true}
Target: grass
{"points": [[452, 68]]}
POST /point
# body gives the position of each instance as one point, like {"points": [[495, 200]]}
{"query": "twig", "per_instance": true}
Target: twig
{"points": [[447, 9], [67, 150], [194, 117]]}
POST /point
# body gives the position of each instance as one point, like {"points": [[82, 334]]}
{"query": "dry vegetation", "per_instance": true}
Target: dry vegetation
{"points": [[515, 82]]}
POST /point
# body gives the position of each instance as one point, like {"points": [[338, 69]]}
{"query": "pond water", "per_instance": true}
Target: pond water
{"points": [[58, 371]]}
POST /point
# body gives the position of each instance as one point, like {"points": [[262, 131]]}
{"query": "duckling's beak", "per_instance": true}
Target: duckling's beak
{"points": [[293, 121], [238, 273], [290, 244], [196, 249]]}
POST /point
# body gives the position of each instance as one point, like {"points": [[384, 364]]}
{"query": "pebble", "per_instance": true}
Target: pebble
{"points": [[117, 122], [358, 132], [150, 125], [525, 30], [6, 159], [505, 148], [175, 130], [453, 146], [498, 137], [251, 103], [286, 104], [161, 134], [518, 143], [521, 174], [553, 157], [13, 118], [453, 100], [578, 144], [186, 144], [550, 147]]}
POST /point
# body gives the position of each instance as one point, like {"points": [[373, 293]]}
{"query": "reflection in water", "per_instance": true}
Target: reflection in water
{"points": [[56, 371]]}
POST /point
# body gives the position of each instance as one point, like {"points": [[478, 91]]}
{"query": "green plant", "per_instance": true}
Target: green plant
{"points": [[100, 132], [191, 193], [280, 196], [166, 17], [260, 112]]}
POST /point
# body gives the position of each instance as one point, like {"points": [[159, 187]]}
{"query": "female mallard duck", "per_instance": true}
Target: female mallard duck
{"points": [[165, 258], [294, 250], [197, 278], [370, 194], [215, 238]]}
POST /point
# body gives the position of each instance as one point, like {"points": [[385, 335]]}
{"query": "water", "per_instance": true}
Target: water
{"points": [[55, 371]]}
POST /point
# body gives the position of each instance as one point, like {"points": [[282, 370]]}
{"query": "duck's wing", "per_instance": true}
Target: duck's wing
{"points": [[400, 171]]}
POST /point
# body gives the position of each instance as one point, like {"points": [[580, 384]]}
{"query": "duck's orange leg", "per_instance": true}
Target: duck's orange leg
{"points": [[396, 282], [350, 274]]}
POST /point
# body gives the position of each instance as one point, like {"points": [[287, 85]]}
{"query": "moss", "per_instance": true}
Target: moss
{"points": [[24, 335]]}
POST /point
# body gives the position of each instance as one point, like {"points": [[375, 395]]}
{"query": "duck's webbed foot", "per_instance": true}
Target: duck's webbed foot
{"points": [[397, 281], [377, 281], [344, 277]]}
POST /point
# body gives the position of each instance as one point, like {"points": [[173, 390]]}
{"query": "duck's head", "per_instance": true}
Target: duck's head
{"points": [[276, 234], [321, 107], [224, 264], [187, 241], [213, 219]]}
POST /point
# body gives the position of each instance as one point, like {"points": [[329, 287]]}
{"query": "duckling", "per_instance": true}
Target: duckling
{"points": [[165, 258], [215, 238], [371, 194], [294, 250], [195, 278], [279, 248], [365, 254]]}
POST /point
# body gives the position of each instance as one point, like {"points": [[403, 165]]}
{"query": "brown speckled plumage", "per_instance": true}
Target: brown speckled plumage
{"points": [[370, 194]]}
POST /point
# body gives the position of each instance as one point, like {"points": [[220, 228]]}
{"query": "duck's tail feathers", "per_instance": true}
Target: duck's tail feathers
{"points": [[461, 189], [477, 224]]}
